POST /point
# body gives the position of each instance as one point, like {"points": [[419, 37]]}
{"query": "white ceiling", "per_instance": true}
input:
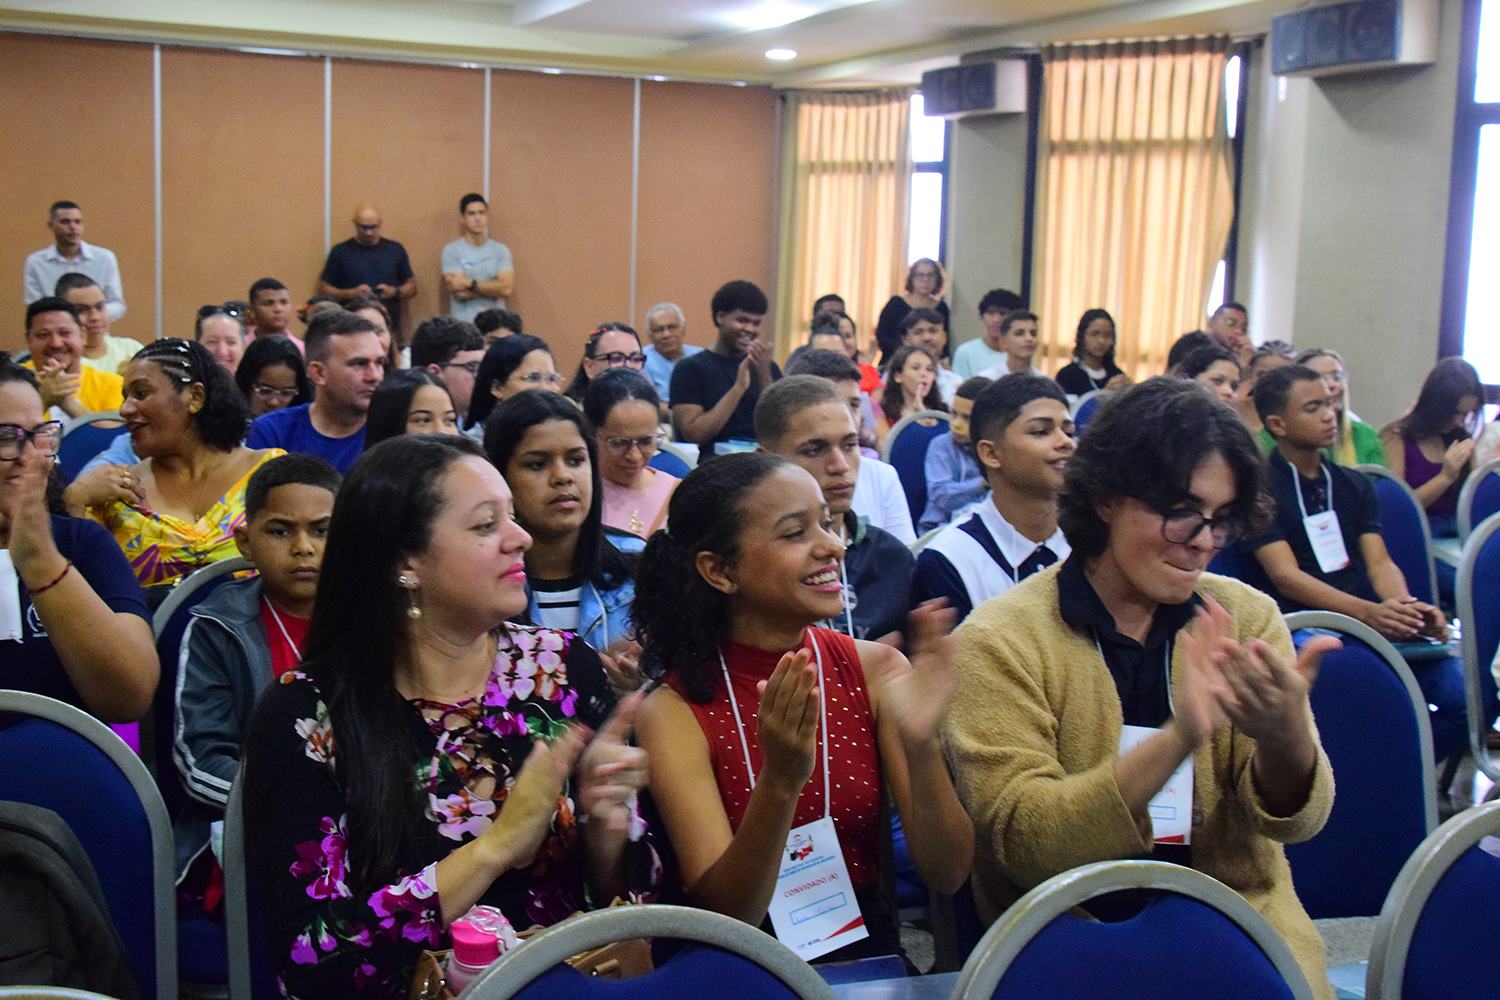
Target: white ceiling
{"points": [[838, 42]]}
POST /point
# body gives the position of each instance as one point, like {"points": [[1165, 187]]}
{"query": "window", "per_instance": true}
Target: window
{"points": [[1220, 292], [927, 209], [1471, 322]]}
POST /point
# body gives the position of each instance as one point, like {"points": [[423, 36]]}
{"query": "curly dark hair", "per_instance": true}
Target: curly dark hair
{"points": [[224, 420], [681, 620], [1146, 443]]}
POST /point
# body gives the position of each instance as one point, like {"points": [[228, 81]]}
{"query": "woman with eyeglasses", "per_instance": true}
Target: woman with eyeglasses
{"points": [[273, 376], [609, 345], [1126, 704], [580, 575], [511, 365], [623, 406], [925, 280], [176, 510], [221, 329], [73, 621]]}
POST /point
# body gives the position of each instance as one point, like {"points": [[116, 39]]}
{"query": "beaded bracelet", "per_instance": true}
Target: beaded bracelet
{"points": [[55, 580]]}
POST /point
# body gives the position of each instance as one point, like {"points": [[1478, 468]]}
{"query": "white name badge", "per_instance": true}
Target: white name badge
{"points": [[1171, 808], [1327, 540], [813, 910]]}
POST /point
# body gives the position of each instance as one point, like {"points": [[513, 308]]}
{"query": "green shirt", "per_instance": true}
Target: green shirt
{"points": [[1364, 443]]}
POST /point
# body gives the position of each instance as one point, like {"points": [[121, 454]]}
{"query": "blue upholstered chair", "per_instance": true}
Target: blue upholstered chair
{"points": [[1195, 938], [1384, 784], [1478, 588], [906, 448], [1403, 526], [1086, 406], [1438, 935], [83, 438], [671, 460], [1479, 498], [734, 959], [63, 759]]}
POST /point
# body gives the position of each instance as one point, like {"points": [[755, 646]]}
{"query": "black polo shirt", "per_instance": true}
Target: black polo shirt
{"points": [[1358, 511]]}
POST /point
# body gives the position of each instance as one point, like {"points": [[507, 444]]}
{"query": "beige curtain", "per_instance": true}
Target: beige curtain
{"points": [[845, 174], [1135, 197]]}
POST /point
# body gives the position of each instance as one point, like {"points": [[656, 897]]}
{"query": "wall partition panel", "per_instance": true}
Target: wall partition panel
{"points": [[560, 199], [410, 138], [242, 177], [706, 196], [77, 127]]}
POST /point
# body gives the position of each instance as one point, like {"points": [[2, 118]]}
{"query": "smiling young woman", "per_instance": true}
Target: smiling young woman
{"points": [[739, 733], [1087, 687]]}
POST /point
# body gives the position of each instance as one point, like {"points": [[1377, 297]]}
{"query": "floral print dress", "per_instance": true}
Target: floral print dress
{"points": [[329, 939]]}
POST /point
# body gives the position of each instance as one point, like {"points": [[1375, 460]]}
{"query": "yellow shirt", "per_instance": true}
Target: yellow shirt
{"points": [[98, 391]]}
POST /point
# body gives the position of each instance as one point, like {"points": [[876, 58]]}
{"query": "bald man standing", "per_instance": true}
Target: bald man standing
{"points": [[368, 264]]}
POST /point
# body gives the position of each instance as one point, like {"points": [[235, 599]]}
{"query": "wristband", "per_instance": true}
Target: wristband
{"points": [[55, 581]]}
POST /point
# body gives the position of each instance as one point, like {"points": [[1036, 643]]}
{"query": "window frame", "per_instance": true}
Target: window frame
{"points": [[935, 167]]}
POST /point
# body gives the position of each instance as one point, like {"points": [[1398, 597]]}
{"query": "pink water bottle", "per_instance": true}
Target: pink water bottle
{"points": [[479, 938]]}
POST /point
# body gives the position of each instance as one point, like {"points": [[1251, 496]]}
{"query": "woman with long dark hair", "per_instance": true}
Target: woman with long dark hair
{"points": [[580, 573], [511, 364], [1432, 447], [1093, 365], [427, 756], [622, 405], [740, 734], [409, 401], [272, 375], [911, 386]]}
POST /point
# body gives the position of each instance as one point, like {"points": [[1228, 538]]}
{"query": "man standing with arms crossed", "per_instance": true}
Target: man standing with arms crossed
{"points": [[478, 271]]}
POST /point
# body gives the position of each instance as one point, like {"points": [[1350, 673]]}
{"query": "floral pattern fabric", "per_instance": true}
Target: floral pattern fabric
{"points": [[332, 938]]}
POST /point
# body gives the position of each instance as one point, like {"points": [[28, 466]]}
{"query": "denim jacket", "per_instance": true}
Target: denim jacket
{"points": [[603, 614]]}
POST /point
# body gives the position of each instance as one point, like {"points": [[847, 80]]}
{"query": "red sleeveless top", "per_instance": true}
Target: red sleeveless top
{"points": [[855, 779]]}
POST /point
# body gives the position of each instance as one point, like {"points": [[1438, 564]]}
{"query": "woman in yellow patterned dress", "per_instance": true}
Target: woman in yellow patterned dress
{"points": [[176, 510]]}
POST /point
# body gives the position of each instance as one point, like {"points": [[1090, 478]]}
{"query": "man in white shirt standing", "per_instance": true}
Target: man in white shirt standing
{"points": [[478, 271], [69, 253]]}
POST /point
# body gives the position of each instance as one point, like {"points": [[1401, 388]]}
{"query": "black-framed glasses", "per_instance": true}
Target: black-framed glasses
{"points": [[45, 438], [617, 358], [472, 367], [621, 446], [270, 392], [1181, 525], [540, 378]]}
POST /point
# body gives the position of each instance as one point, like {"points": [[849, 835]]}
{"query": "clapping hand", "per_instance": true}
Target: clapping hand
{"points": [[526, 814], [787, 722], [915, 691], [611, 771]]}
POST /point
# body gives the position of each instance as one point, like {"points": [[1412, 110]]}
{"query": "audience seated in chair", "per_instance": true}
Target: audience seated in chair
{"points": [[247, 633], [666, 328], [1019, 332], [272, 375], [714, 391], [953, 477], [580, 574], [511, 365], [727, 608], [221, 329], [452, 350], [176, 510], [1093, 366], [1432, 447], [1023, 437], [608, 345], [1130, 630], [1213, 366], [74, 611], [974, 356], [1357, 443], [270, 313], [1261, 361], [924, 328], [69, 388], [1323, 551], [345, 362], [432, 704], [101, 349], [910, 387], [806, 419], [623, 407], [409, 401]]}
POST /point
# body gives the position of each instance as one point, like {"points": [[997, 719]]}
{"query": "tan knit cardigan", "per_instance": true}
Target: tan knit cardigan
{"points": [[1032, 738]]}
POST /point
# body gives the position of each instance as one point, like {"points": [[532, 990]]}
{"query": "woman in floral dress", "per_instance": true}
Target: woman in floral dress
{"points": [[427, 756]]}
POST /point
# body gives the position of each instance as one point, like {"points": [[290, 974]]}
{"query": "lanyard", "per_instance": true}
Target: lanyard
{"points": [[1297, 482], [1166, 659], [848, 614], [279, 624], [745, 743]]}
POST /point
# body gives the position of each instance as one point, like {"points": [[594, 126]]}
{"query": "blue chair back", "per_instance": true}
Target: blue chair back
{"points": [[1194, 937], [685, 975], [81, 444], [906, 449], [1439, 932], [1230, 562], [670, 464], [1384, 784], [60, 758], [1085, 410], [1478, 593], [1479, 498], [169, 623], [1403, 526]]}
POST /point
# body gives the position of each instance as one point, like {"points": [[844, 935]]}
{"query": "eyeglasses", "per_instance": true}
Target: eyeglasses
{"points": [[621, 446], [472, 367], [1181, 526], [367, 229], [538, 378], [617, 358], [270, 392], [45, 438], [227, 309]]}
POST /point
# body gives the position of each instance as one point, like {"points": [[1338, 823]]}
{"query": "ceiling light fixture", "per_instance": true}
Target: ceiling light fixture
{"points": [[553, 71], [781, 55], [658, 79], [767, 15]]}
